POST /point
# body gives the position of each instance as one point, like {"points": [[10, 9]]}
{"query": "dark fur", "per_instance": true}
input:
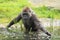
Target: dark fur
{"points": [[31, 23]]}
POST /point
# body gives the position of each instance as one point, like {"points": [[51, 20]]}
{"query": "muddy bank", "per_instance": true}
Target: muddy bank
{"points": [[50, 22]]}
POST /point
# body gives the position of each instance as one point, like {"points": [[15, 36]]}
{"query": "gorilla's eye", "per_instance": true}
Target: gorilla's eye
{"points": [[25, 13]]}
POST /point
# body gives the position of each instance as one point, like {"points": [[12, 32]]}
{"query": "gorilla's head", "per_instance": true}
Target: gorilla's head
{"points": [[26, 13]]}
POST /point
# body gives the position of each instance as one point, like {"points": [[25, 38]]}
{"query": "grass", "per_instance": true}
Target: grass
{"points": [[41, 12], [9, 9]]}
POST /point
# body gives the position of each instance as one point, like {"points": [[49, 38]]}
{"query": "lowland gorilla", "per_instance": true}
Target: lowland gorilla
{"points": [[30, 21]]}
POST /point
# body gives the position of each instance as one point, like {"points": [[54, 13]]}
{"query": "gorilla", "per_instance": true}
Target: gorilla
{"points": [[30, 21]]}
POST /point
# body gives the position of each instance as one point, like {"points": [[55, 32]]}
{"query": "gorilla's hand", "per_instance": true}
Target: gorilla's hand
{"points": [[48, 34]]}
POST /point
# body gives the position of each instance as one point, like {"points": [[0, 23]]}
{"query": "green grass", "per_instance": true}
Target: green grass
{"points": [[41, 12], [47, 12], [9, 9]]}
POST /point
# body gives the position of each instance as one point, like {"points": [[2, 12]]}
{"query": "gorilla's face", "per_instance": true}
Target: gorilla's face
{"points": [[26, 16]]}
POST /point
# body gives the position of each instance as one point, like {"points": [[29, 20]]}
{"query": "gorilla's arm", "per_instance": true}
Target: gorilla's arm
{"points": [[15, 20], [39, 26]]}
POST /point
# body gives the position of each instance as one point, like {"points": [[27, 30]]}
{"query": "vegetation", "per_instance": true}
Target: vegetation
{"points": [[9, 9]]}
